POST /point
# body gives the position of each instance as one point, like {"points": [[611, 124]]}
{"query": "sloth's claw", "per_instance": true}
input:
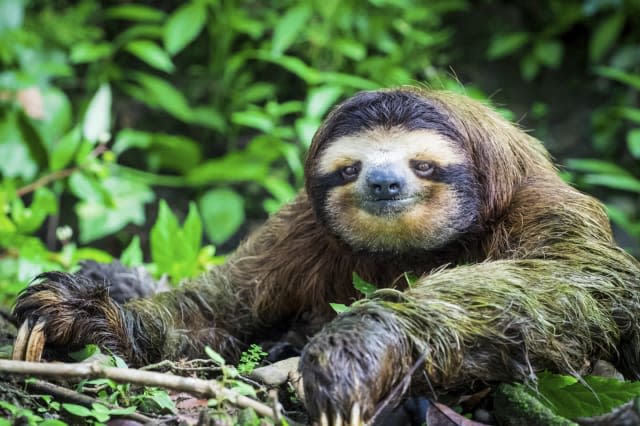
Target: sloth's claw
{"points": [[338, 421], [21, 342], [324, 419], [29, 343], [37, 339], [355, 415]]}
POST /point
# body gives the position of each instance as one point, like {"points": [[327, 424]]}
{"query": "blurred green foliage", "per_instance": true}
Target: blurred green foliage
{"points": [[107, 108]]}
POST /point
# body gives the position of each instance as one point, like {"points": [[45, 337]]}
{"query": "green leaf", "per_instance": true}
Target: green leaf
{"points": [[605, 35], [151, 53], [11, 14], [222, 212], [136, 12], [97, 119], [159, 397], [529, 67], [362, 286], [596, 166], [505, 44], [164, 95], [13, 146], [255, 119], [84, 353], [85, 52], [624, 183], [175, 249], [632, 114], [339, 307], [77, 410], [192, 229], [571, 399], [215, 356], [127, 198], [132, 255], [183, 26], [64, 150], [320, 99], [632, 80], [549, 53], [633, 142], [29, 220], [289, 27]]}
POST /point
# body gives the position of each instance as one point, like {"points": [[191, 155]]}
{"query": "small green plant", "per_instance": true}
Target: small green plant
{"points": [[251, 358], [364, 287]]}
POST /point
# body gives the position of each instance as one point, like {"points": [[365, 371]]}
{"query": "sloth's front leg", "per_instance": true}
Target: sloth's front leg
{"points": [[352, 365]]}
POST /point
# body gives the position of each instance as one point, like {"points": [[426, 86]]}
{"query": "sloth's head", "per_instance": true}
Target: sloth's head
{"points": [[387, 172]]}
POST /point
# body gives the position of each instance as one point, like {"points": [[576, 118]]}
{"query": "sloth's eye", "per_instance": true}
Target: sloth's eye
{"points": [[422, 168], [350, 172]]}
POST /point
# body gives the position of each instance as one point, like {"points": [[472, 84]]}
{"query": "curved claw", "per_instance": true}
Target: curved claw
{"points": [[355, 418], [37, 339], [355, 415], [30, 341], [22, 340]]}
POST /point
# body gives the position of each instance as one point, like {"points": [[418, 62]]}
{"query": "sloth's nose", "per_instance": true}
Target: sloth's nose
{"points": [[384, 184]]}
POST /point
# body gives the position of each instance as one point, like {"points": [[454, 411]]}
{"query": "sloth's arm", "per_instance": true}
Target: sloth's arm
{"points": [[561, 296], [222, 308]]}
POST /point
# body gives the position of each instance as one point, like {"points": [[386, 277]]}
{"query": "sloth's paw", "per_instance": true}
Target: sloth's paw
{"points": [[354, 364], [64, 312]]}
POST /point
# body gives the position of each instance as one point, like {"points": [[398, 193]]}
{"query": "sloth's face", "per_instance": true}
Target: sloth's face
{"points": [[396, 190]]}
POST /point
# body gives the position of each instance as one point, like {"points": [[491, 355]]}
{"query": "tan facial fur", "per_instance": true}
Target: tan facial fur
{"points": [[425, 223]]}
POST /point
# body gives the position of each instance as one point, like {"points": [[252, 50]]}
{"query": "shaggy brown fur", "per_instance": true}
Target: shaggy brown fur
{"points": [[533, 282]]}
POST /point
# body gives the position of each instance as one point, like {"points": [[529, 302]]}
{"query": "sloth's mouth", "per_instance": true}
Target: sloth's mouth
{"points": [[387, 207]]}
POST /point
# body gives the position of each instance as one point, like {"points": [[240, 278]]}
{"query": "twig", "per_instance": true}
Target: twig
{"points": [[46, 180], [398, 389], [78, 398], [58, 174], [204, 388]]}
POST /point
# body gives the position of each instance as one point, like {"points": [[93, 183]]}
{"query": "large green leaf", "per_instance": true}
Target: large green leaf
{"points": [[183, 26], [571, 398], [98, 219], [222, 212], [289, 26], [633, 142], [174, 249], [161, 93]]}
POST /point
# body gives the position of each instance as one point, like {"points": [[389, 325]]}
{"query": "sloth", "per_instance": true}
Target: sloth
{"points": [[514, 270]]}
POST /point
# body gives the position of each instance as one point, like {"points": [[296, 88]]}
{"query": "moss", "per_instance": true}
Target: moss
{"points": [[515, 406]]}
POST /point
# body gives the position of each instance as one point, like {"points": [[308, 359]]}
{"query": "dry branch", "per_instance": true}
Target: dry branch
{"points": [[204, 388]]}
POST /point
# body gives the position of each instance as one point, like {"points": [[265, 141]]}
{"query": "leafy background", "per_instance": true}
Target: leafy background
{"points": [[134, 129]]}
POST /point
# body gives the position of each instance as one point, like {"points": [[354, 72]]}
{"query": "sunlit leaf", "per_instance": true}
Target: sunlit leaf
{"points": [[320, 99], [90, 52], [362, 286], [151, 53], [97, 118], [183, 26], [165, 95], [64, 150], [132, 255], [289, 27]]}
